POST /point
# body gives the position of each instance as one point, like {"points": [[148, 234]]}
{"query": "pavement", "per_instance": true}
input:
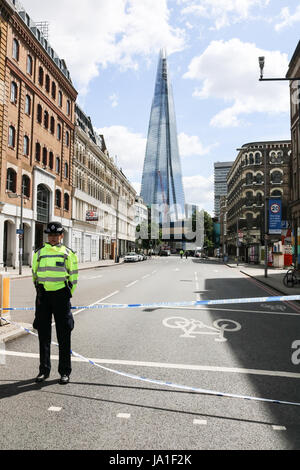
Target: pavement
{"points": [[274, 280]]}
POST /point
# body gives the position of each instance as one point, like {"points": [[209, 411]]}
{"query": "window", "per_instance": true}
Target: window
{"points": [[26, 145], [57, 165], [41, 76], [276, 193], [67, 139], [11, 136], [249, 199], [259, 178], [60, 98], [257, 158], [52, 125], [16, 49], [28, 105], [39, 114], [58, 132], [45, 156], [68, 107], [51, 160], [38, 152], [26, 186], [14, 92], [259, 199], [249, 178], [11, 180], [276, 177], [66, 170], [251, 159], [47, 85], [53, 90], [29, 64], [58, 198], [46, 119], [66, 201]]}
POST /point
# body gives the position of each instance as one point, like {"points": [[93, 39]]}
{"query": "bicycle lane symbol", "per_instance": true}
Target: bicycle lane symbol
{"points": [[193, 327]]}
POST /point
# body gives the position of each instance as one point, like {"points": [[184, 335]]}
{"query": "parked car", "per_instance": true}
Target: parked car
{"points": [[165, 253], [131, 257]]}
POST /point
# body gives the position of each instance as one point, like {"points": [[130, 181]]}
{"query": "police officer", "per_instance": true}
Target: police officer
{"points": [[55, 275]]}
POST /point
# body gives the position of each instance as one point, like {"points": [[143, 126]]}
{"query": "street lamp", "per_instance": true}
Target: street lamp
{"points": [[261, 61], [21, 230]]}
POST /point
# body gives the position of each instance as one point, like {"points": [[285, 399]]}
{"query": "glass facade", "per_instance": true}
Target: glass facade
{"points": [[162, 176]]}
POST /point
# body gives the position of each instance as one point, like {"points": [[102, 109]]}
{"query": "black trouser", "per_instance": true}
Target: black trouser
{"points": [[58, 304]]}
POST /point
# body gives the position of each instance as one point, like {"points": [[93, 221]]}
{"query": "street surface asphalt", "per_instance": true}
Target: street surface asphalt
{"points": [[239, 349]]}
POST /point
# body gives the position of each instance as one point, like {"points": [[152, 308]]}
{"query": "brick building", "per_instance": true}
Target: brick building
{"points": [[37, 135], [246, 194], [294, 206]]}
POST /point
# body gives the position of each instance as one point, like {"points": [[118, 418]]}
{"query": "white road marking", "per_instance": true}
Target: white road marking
{"points": [[279, 428], [55, 408], [229, 310], [95, 303], [158, 365], [145, 277], [124, 415], [197, 287], [200, 422], [132, 283]]}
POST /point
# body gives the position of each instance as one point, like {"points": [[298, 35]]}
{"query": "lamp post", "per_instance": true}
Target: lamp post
{"points": [[261, 61], [117, 232], [21, 230]]}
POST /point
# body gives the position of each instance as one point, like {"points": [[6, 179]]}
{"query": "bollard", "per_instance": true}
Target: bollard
{"points": [[4, 296]]}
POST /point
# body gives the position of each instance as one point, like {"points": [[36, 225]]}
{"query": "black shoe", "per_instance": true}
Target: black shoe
{"points": [[64, 380], [41, 378]]}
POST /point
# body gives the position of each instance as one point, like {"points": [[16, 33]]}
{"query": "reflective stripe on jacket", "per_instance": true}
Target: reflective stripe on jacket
{"points": [[55, 267]]}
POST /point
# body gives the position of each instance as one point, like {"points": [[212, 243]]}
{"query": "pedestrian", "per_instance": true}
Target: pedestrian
{"points": [[186, 254], [181, 253], [55, 275]]}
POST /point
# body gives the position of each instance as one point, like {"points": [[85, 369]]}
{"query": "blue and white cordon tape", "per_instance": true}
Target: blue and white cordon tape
{"points": [[197, 303], [172, 304]]}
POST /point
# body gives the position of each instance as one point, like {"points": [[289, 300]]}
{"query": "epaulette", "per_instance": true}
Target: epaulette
{"points": [[36, 251], [70, 249]]}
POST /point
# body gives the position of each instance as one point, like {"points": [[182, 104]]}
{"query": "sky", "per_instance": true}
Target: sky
{"points": [[111, 48]]}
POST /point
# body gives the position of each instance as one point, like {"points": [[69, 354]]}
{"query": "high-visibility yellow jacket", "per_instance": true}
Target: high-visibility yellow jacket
{"points": [[55, 267]]}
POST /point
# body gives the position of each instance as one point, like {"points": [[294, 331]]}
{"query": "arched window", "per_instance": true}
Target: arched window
{"points": [[67, 138], [58, 131], [16, 49], [11, 180], [41, 76], [58, 198], [14, 92], [259, 199], [249, 199], [68, 107], [251, 159], [46, 119], [47, 84], [45, 156], [39, 113], [38, 152], [259, 178], [51, 160], [60, 98], [26, 146], [66, 201], [57, 165], [52, 125], [43, 204], [11, 136], [276, 193], [29, 64], [257, 158], [66, 170], [26, 186], [276, 177], [53, 90], [249, 178], [28, 105]]}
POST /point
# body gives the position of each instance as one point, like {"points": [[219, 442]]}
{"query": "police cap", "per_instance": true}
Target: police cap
{"points": [[55, 228]]}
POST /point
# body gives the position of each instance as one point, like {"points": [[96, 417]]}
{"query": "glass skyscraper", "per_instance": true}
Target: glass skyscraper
{"points": [[162, 176]]}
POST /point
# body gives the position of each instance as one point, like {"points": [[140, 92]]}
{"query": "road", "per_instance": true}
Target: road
{"points": [[100, 409]]}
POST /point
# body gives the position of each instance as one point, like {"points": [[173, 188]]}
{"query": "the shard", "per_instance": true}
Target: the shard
{"points": [[162, 175]]}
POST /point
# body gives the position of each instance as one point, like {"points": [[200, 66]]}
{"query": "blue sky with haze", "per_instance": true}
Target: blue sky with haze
{"points": [[111, 48]]}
